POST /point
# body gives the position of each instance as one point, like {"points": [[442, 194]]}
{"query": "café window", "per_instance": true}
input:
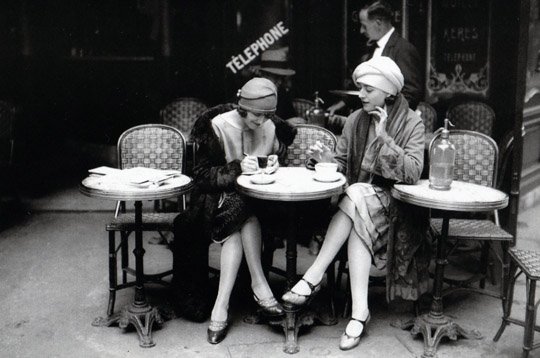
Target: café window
{"points": [[532, 93]]}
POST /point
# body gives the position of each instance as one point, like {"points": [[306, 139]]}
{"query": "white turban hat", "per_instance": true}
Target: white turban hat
{"points": [[380, 72]]}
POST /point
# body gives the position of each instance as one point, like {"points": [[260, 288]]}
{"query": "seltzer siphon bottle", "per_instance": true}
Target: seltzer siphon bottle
{"points": [[441, 160]]}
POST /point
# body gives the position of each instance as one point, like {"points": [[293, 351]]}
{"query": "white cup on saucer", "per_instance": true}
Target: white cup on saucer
{"points": [[326, 171]]}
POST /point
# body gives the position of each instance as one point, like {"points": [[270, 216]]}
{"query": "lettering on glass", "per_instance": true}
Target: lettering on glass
{"points": [[251, 52], [459, 48]]}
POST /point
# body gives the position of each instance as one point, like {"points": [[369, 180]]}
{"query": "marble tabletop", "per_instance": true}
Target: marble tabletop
{"points": [[100, 186], [462, 196], [291, 184]]}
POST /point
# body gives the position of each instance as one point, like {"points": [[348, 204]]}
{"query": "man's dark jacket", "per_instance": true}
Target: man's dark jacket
{"points": [[407, 58]]}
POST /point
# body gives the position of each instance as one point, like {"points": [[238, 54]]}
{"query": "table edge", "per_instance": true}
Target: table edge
{"points": [[292, 197], [495, 205], [135, 196]]}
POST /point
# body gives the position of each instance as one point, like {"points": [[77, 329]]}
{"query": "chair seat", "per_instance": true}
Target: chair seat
{"points": [[528, 261], [150, 222], [472, 229]]}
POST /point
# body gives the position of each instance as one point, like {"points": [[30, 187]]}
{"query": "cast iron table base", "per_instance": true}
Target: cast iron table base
{"points": [[435, 325], [433, 329], [142, 318], [139, 313]]}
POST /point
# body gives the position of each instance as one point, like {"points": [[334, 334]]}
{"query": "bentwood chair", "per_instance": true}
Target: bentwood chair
{"points": [[307, 135], [182, 114], [472, 115], [428, 115], [302, 106], [525, 262], [154, 146], [476, 162]]}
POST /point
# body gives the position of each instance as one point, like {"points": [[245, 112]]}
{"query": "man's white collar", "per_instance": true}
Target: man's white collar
{"points": [[384, 40]]}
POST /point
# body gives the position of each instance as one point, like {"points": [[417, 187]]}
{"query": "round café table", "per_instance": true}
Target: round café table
{"points": [[464, 197], [292, 185], [139, 313]]}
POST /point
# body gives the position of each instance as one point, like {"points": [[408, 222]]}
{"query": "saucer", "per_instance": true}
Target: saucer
{"points": [[327, 178], [252, 173], [262, 179]]}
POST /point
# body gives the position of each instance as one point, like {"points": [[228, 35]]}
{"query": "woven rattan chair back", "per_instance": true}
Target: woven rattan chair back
{"points": [[428, 115], [472, 115], [156, 146], [182, 113], [306, 136], [477, 157], [301, 106]]}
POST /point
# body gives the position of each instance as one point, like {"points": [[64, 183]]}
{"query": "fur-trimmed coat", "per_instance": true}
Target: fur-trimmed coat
{"points": [[215, 178]]}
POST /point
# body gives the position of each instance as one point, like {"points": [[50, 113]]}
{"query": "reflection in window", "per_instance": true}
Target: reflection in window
{"points": [[532, 96]]}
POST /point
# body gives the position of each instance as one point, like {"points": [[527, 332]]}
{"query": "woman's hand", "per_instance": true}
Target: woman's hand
{"points": [[320, 152], [273, 164], [249, 164], [381, 117]]}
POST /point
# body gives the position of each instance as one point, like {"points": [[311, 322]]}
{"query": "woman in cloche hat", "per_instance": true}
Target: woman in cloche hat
{"points": [[228, 145]]}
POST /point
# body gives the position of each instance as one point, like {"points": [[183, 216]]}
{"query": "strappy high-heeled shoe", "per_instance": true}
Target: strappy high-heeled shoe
{"points": [[217, 331], [349, 342], [269, 306], [299, 299]]}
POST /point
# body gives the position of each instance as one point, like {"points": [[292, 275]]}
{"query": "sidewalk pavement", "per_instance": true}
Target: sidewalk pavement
{"points": [[53, 269]]}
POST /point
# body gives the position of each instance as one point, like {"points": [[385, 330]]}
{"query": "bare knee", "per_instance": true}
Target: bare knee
{"points": [[252, 220]]}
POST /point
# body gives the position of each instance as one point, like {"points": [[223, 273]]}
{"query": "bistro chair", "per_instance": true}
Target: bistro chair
{"points": [[472, 115], [307, 135], [302, 106], [525, 262], [7, 144], [476, 162], [428, 115], [154, 146], [182, 114]]}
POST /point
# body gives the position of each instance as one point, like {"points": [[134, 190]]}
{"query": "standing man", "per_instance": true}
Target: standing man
{"points": [[383, 40]]}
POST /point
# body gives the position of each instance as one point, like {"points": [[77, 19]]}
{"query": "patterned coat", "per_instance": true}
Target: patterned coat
{"points": [[398, 157]]}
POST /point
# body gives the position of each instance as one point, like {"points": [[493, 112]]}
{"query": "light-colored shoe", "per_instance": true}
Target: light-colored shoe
{"points": [[298, 299], [349, 342]]}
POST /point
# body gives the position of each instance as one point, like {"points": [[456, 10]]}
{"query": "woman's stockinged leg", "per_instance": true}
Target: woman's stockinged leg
{"points": [[359, 266], [339, 229], [252, 244], [231, 257]]}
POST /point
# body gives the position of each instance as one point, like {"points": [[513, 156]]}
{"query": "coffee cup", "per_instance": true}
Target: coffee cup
{"points": [[262, 161], [326, 170]]}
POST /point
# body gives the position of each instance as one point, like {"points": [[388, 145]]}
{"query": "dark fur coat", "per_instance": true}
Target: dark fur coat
{"points": [[213, 176]]}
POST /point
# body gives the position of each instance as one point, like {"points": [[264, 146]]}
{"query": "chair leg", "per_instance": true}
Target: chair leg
{"points": [[348, 298], [267, 258], [341, 268], [508, 283], [331, 283], [124, 247], [530, 315], [112, 273], [484, 262]]}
